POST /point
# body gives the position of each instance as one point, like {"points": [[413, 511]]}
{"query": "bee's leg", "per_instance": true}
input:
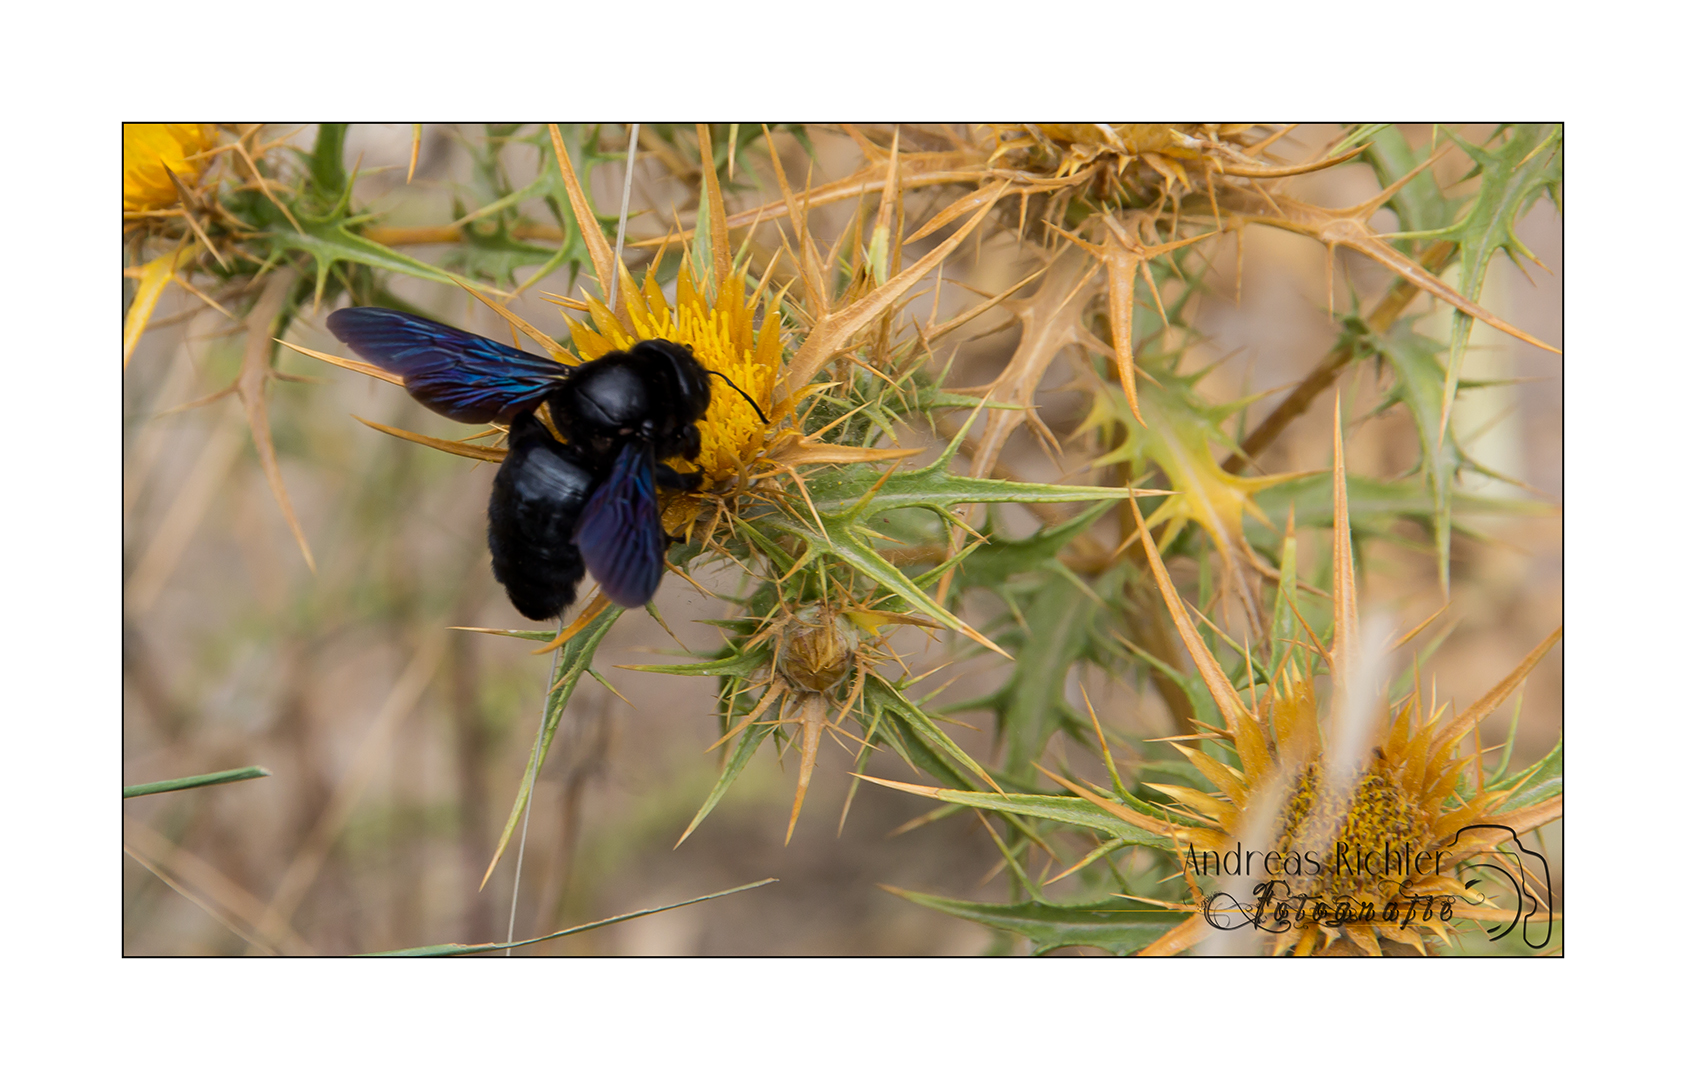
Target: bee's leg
{"points": [[668, 477]]}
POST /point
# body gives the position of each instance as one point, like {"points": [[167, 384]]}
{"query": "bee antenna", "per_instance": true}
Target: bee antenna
{"points": [[739, 389]]}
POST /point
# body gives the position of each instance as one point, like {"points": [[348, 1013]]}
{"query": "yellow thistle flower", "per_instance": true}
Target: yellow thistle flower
{"points": [[723, 337], [151, 149], [1396, 840], [714, 314], [1380, 817]]}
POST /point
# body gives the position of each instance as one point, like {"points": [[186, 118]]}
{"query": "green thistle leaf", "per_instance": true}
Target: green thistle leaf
{"points": [[1119, 927]]}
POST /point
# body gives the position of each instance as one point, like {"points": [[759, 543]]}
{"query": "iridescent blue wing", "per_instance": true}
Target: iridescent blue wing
{"points": [[620, 533], [460, 375]]}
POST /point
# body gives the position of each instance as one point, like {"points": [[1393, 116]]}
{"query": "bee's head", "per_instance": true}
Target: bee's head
{"points": [[655, 391], [686, 379], [692, 378]]}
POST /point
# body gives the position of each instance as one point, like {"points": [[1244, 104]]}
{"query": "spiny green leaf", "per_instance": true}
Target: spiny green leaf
{"points": [[1513, 176], [1375, 506], [935, 487], [892, 699], [886, 720], [1358, 136], [547, 183], [1034, 696], [747, 745], [1541, 781], [495, 254], [1420, 384], [844, 544], [1000, 559], [524, 635], [930, 397], [1182, 769], [330, 242], [1420, 204], [1118, 926], [1064, 809], [778, 556], [738, 663], [571, 667]]}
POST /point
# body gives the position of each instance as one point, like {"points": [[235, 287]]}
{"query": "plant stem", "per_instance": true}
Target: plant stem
{"points": [[1323, 376], [228, 777], [397, 236]]}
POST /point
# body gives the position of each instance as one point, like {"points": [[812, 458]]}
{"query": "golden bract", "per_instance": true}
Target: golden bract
{"points": [[151, 152]]}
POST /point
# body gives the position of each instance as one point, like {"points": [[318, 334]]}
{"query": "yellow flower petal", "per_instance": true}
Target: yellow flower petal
{"points": [[151, 149]]}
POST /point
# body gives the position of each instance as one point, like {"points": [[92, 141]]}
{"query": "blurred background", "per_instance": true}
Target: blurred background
{"points": [[397, 744]]}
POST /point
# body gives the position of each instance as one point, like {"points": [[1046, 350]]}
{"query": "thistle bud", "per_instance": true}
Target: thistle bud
{"points": [[817, 649]]}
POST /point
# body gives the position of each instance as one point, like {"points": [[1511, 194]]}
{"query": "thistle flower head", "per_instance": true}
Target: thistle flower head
{"points": [[817, 648], [1364, 790], [722, 334], [1347, 832], [1142, 157], [151, 152]]}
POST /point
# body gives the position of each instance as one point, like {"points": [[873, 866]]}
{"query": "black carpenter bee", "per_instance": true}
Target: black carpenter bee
{"points": [[558, 508]]}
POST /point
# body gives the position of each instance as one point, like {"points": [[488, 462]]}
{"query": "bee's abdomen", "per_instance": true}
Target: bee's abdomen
{"points": [[536, 501]]}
